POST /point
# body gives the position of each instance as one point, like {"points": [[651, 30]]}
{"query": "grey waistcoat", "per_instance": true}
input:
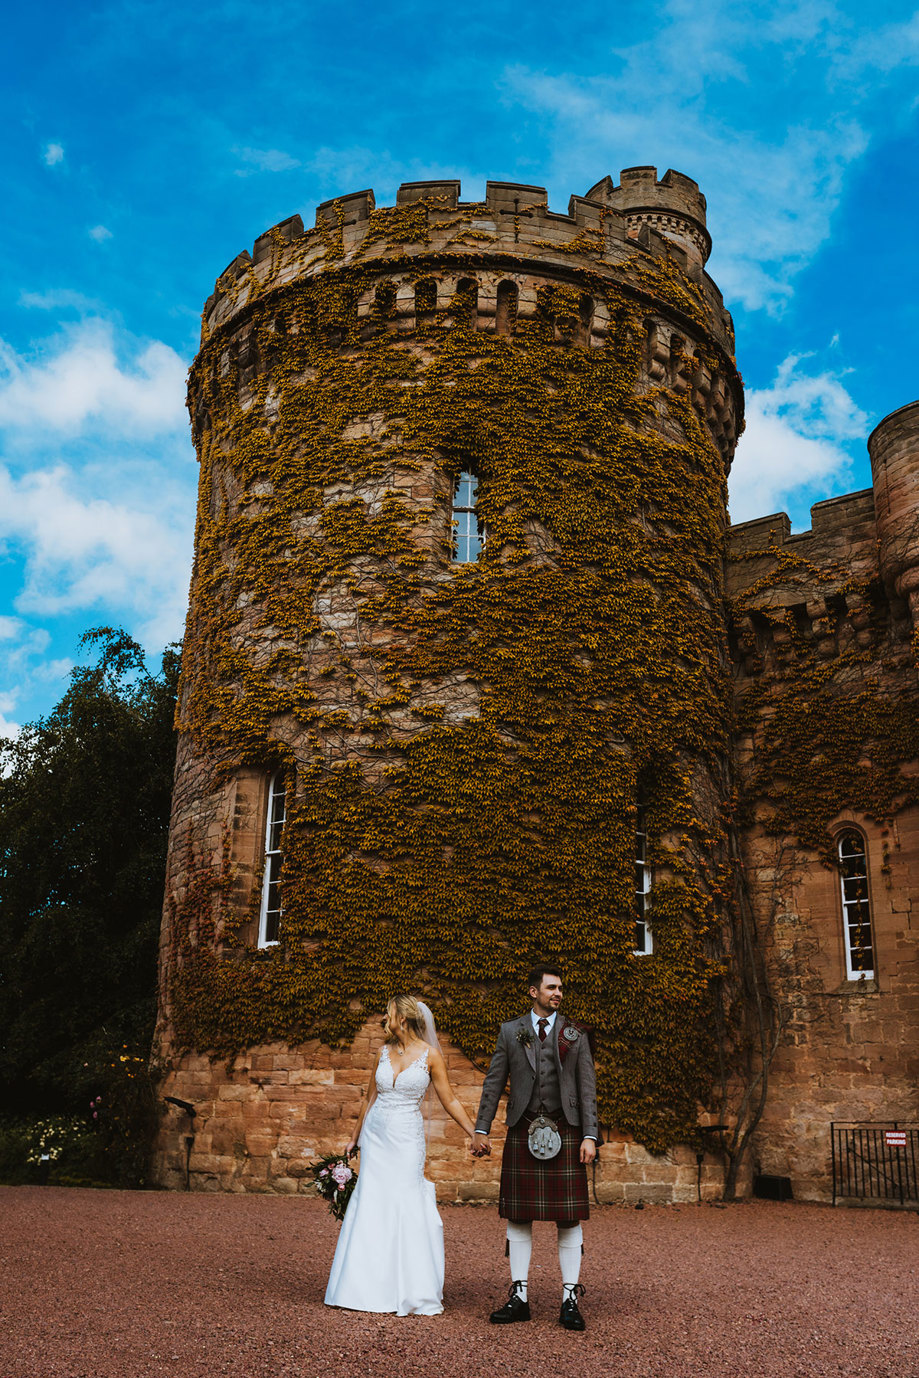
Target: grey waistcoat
{"points": [[547, 1093]]}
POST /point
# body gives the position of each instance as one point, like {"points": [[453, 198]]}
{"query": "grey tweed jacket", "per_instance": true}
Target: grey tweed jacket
{"points": [[515, 1057]]}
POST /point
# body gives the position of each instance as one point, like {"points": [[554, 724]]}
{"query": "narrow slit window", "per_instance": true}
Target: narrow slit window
{"points": [[466, 303], [468, 531], [585, 319], [384, 301], [270, 913], [425, 301], [856, 907], [506, 308], [642, 944]]}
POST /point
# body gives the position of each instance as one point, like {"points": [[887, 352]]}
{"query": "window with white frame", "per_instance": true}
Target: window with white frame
{"points": [[856, 906], [468, 531], [642, 887], [269, 926]]}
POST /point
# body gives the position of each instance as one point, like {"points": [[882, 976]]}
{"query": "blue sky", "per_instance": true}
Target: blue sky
{"points": [[146, 143]]}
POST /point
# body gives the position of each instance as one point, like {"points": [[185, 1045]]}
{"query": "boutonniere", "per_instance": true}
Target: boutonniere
{"points": [[525, 1038]]}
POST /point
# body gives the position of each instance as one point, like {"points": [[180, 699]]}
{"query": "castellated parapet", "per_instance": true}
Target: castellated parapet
{"points": [[521, 243]]}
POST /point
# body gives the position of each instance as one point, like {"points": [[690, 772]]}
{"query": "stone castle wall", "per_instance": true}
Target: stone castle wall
{"points": [[262, 1118], [835, 606], [849, 1049]]}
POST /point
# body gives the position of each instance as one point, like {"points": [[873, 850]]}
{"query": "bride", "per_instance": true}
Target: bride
{"points": [[390, 1253]]}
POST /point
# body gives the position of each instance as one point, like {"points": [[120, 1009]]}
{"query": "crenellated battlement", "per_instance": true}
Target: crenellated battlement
{"points": [[611, 231], [810, 591], [673, 206]]}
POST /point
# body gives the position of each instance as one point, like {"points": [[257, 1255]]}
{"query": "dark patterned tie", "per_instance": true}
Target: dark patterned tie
{"points": [[542, 1029]]}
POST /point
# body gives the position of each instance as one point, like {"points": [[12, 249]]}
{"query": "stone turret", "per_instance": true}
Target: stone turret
{"points": [[673, 206], [894, 449]]}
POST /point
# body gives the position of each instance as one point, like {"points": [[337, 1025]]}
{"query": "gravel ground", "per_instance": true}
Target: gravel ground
{"points": [[109, 1284]]}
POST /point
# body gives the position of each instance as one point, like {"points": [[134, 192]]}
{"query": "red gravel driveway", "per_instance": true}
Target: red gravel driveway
{"points": [[110, 1284]]}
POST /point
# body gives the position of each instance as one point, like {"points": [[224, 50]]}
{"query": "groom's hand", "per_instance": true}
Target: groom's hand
{"points": [[481, 1145], [588, 1151]]}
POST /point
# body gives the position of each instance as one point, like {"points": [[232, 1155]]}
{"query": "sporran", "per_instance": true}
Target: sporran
{"points": [[543, 1138]]}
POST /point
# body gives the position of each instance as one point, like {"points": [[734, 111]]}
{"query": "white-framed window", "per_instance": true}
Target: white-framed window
{"points": [[643, 940], [856, 905], [269, 923], [468, 531]]}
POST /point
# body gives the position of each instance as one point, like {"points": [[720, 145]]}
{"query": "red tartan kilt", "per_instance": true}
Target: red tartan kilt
{"points": [[535, 1190]]}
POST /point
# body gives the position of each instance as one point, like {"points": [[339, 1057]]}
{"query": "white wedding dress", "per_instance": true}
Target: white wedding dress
{"points": [[390, 1254]]}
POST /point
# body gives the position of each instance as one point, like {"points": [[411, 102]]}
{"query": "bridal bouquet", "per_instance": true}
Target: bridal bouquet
{"points": [[335, 1180]]}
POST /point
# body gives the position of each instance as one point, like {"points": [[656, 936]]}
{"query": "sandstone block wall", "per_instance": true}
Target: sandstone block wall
{"points": [[262, 1118], [848, 1050]]}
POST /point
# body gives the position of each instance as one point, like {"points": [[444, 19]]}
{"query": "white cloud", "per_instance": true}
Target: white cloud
{"points": [[79, 378], [129, 553], [793, 445], [766, 105], [8, 727], [53, 154], [26, 666], [60, 299], [100, 233], [265, 160], [97, 483]]}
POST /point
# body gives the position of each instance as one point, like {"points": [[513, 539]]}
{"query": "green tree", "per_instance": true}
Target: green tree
{"points": [[84, 814]]}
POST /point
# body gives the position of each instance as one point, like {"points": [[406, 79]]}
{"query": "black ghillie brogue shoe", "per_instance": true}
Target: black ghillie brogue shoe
{"points": [[569, 1316], [514, 1309]]}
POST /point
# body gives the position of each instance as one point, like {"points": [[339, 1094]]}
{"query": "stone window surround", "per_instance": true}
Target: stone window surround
{"points": [[464, 539], [854, 980], [275, 814], [642, 886]]}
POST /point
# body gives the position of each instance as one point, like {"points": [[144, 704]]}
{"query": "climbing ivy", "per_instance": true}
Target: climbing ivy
{"points": [[836, 717], [465, 744]]}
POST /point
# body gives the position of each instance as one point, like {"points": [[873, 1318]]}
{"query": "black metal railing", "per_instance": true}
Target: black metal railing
{"points": [[875, 1161]]}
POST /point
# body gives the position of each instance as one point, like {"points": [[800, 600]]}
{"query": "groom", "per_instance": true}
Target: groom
{"points": [[551, 1071]]}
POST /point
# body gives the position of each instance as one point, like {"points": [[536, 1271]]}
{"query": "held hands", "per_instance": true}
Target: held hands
{"points": [[588, 1151], [481, 1146]]}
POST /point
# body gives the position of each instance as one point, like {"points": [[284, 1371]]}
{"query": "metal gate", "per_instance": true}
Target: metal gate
{"points": [[875, 1161]]}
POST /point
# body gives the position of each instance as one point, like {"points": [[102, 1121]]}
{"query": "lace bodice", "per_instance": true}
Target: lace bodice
{"points": [[408, 1087]]}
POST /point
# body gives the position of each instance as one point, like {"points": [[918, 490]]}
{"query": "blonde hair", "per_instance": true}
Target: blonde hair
{"points": [[404, 1007]]}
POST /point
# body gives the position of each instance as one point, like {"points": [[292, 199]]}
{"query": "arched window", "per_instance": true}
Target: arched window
{"points": [[506, 308], [468, 532], [643, 943], [425, 301], [269, 925], [856, 906]]}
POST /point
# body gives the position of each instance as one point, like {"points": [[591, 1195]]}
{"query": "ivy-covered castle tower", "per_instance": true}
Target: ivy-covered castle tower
{"points": [[455, 680], [456, 684]]}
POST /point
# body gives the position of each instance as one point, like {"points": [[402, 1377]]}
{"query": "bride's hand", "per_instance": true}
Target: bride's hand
{"points": [[350, 1148]]}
